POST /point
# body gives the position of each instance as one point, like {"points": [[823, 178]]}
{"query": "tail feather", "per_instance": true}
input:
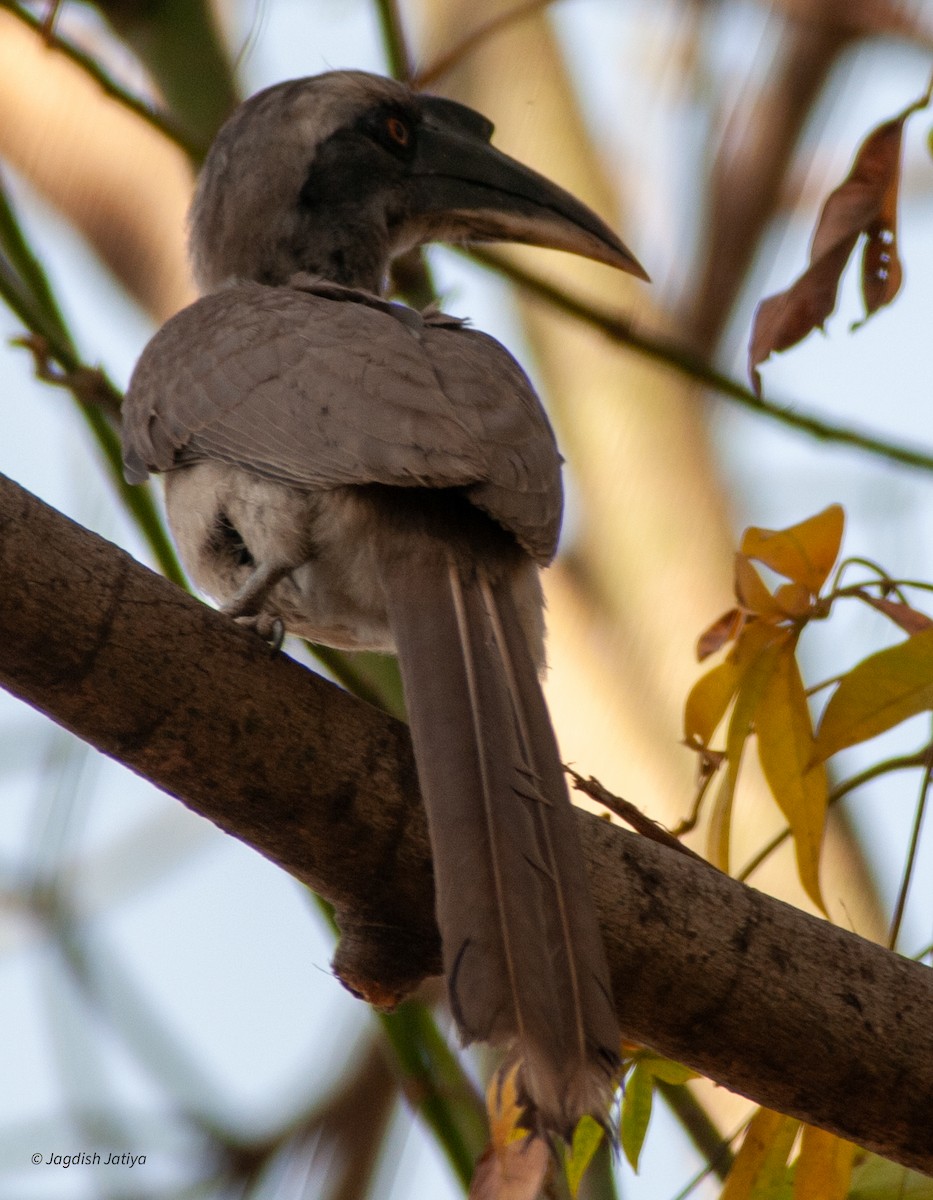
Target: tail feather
{"points": [[523, 955], [590, 1025]]}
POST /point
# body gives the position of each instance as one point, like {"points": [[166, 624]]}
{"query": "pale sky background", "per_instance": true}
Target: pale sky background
{"points": [[225, 948]]}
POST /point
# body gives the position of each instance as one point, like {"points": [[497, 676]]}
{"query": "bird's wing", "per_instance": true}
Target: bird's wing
{"points": [[325, 389]]}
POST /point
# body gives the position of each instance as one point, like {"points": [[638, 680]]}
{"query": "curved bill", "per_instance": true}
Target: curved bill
{"points": [[464, 189]]}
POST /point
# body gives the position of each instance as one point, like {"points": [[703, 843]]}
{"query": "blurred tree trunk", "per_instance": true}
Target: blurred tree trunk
{"points": [[651, 562]]}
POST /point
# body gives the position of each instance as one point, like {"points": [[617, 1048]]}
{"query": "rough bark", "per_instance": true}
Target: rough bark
{"points": [[786, 1009]]}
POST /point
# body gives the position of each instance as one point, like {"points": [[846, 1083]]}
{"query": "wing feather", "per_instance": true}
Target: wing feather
{"points": [[321, 391]]}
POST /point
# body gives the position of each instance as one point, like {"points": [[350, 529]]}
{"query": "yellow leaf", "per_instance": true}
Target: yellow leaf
{"points": [[793, 599], [502, 1104], [755, 657], [762, 1156], [804, 553], [786, 751], [824, 1167], [751, 592], [513, 1165], [877, 694], [708, 700]]}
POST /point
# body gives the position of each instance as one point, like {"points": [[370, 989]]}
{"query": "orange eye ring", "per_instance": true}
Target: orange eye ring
{"points": [[398, 131]]}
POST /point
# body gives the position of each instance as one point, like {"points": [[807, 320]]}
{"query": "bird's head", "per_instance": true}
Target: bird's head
{"points": [[339, 173]]}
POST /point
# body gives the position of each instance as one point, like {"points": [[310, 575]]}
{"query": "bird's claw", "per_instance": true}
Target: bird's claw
{"points": [[270, 629]]}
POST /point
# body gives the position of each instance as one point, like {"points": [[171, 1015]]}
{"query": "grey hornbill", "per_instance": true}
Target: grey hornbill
{"points": [[372, 477]]}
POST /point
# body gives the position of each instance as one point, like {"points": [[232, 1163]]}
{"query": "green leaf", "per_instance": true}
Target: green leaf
{"points": [[586, 1141], [666, 1069], [878, 1179], [786, 752], [636, 1112], [877, 694]]}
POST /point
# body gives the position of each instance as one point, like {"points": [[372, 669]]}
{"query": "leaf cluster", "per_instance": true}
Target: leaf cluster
{"points": [[761, 685]]}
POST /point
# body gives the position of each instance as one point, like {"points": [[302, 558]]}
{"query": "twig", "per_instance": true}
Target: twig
{"points": [[901, 903], [710, 761], [725, 1154], [698, 1126], [48, 21], [627, 812], [450, 58], [870, 18], [400, 59], [620, 330], [25, 288], [88, 384]]}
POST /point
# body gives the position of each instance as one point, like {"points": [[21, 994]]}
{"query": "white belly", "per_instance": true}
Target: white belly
{"points": [[226, 522]]}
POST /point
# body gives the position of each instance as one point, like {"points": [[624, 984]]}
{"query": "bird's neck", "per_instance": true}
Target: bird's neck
{"points": [[339, 250], [354, 266], [340, 244]]}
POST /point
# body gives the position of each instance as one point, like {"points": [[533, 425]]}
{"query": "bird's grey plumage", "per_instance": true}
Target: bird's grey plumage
{"points": [[374, 477], [320, 387]]}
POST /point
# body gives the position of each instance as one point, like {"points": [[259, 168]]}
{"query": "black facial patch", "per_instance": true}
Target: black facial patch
{"points": [[383, 124], [348, 164]]}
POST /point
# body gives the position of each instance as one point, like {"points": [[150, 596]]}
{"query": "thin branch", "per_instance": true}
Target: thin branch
{"points": [[700, 1129], [632, 816], [99, 402], [160, 121], [901, 903], [672, 354], [451, 58], [710, 760], [724, 1153], [398, 52], [48, 21], [883, 580], [870, 19], [904, 763]]}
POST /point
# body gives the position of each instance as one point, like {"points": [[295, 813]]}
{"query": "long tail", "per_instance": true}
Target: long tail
{"points": [[523, 954]]}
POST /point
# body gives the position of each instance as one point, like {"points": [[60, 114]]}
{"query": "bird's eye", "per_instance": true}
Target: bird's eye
{"points": [[398, 131]]}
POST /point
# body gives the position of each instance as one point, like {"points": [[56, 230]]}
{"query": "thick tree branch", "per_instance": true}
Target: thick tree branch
{"points": [[789, 1010]]}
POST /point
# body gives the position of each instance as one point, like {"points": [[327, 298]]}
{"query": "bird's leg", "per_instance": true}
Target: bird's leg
{"points": [[246, 606]]}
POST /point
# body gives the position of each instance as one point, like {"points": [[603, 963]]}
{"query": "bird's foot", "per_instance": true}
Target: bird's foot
{"points": [[271, 629], [246, 607]]}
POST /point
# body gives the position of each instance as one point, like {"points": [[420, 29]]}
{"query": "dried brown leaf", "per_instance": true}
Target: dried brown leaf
{"points": [[865, 203], [911, 620], [722, 630]]}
